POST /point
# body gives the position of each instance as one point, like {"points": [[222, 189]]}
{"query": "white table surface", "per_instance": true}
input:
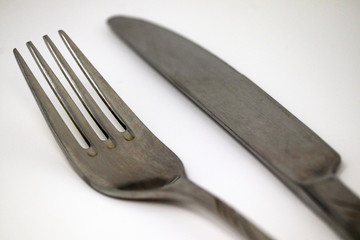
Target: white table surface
{"points": [[305, 54]]}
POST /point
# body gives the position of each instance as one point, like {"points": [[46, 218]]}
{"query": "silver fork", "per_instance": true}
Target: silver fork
{"points": [[133, 164]]}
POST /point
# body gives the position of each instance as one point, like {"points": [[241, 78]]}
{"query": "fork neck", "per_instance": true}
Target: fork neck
{"points": [[185, 190]]}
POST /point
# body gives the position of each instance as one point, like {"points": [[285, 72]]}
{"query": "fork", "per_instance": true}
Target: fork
{"points": [[133, 164]]}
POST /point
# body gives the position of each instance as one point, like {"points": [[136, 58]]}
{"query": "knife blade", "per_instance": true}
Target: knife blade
{"points": [[286, 146]]}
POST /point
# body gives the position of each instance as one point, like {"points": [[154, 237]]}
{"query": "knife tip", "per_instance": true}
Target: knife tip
{"points": [[114, 20]]}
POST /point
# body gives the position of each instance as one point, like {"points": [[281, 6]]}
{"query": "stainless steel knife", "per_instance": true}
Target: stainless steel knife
{"points": [[287, 147]]}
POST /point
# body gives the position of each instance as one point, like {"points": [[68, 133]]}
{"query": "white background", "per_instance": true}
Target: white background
{"points": [[305, 54]]}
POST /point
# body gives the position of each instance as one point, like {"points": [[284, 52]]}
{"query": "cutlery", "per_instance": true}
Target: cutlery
{"points": [[286, 146], [133, 164]]}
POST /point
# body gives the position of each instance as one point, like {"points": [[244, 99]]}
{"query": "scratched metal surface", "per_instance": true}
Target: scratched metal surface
{"points": [[304, 55]]}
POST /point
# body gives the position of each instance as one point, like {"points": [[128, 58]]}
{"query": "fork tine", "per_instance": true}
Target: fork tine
{"points": [[89, 103], [57, 125], [66, 101], [112, 100]]}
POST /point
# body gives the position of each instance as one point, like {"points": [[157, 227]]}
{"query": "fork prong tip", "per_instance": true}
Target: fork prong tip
{"points": [[17, 55], [16, 52], [30, 45], [47, 40], [62, 33], [64, 36]]}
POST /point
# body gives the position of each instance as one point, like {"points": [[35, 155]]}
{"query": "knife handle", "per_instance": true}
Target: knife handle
{"points": [[337, 204]]}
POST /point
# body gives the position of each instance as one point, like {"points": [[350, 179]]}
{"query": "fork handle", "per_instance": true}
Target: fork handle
{"points": [[186, 190]]}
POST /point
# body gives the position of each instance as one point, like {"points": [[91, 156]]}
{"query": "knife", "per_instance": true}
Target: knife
{"points": [[286, 146]]}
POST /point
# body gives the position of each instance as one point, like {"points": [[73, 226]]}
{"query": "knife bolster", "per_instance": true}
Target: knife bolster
{"points": [[337, 204]]}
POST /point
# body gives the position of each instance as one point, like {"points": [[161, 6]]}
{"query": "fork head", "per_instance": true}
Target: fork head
{"points": [[131, 164]]}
